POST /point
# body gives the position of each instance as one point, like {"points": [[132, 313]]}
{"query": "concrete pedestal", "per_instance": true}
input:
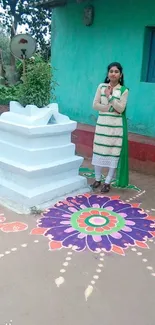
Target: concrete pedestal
{"points": [[37, 159]]}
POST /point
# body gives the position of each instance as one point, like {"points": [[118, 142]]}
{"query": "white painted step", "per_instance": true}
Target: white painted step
{"points": [[42, 194], [17, 167], [32, 156]]}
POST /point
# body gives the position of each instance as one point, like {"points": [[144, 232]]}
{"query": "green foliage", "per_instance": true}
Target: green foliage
{"points": [[37, 88], [8, 94], [29, 63]]}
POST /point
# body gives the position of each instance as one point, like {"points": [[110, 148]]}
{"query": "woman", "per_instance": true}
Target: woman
{"points": [[111, 141]]}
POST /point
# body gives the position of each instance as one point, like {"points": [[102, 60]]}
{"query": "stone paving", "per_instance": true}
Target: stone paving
{"points": [[45, 282]]}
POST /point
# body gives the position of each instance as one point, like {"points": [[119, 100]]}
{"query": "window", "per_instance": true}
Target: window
{"points": [[148, 67]]}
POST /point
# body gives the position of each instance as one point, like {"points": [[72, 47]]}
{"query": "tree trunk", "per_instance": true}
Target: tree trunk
{"points": [[12, 74], [2, 72]]}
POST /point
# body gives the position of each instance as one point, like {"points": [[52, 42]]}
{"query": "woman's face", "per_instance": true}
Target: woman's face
{"points": [[114, 75]]}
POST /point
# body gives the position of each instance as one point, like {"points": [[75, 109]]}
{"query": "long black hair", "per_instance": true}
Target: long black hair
{"points": [[119, 67]]}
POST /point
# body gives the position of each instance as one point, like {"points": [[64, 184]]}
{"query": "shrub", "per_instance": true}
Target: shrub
{"points": [[9, 93], [37, 87]]}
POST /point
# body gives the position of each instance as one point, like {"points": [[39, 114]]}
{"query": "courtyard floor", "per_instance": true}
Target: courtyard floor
{"points": [[99, 269]]}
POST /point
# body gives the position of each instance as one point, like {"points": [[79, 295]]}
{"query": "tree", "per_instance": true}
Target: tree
{"points": [[4, 46], [24, 12]]}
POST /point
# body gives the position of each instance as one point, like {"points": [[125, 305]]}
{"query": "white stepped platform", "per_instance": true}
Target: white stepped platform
{"points": [[37, 159], [40, 197]]}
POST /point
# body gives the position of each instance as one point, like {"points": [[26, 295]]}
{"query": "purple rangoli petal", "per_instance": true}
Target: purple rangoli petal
{"points": [[142, 224], [129, 222], [73, 201], [59, 233], [123, 242], [69, 230], [94, 245], [124, 206], [51, 222], [65, 208], [81, 235], [138, 234], [117, 205], [78, 243], [133, 213], [109, 207], [65, 222], [97, 199], [116, 235], [80, 200], [127, 229], [56, 212], [124, 215], [95, 206], [97, 238]]}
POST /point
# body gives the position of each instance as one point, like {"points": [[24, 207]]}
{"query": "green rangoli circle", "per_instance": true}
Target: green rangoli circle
{"points": [[75, 216]]}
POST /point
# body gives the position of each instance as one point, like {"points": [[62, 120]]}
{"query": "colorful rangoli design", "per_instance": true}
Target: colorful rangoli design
{"points": [[96, 223], [10, 227]]}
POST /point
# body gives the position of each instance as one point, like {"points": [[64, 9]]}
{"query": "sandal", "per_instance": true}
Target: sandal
{"points": [[96, 184], [105, 188]]}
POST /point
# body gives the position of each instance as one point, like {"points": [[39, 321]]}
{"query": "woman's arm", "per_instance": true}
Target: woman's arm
{"points": [[119, 104], [97, 102]]}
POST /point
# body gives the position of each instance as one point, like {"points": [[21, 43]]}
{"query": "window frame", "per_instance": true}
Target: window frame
{"points": [[148, 38]]}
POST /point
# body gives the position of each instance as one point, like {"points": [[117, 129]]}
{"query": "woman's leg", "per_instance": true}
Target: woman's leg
{"points": [[110, 176], [106, 186], [98, 175]]}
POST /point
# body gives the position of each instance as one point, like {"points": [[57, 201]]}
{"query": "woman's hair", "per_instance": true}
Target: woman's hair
{"points": [[119, 67]]}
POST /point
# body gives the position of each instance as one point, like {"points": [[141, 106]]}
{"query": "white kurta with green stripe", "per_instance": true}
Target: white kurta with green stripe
{"points": [[108, 136]]}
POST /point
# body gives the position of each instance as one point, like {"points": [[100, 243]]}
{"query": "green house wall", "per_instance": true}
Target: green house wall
{"points": [[81, 54]]}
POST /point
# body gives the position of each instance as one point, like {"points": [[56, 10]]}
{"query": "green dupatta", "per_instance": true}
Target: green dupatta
{"points": [[122, 176]]}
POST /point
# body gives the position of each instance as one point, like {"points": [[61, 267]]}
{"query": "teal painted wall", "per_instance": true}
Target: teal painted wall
{"points": [[81, 54]]}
